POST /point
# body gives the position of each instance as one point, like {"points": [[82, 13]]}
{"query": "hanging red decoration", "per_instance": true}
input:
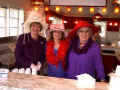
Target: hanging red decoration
{"points": [[97, 16], [113, 26]]}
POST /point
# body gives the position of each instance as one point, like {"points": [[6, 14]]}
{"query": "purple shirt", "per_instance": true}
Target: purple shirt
{"points": [[89, 62], [29, 51]]}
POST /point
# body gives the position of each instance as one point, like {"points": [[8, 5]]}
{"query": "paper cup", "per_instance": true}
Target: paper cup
{"points": [[3, 74]]}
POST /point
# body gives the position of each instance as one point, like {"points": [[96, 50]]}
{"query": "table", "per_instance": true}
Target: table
{"points": [[35, 82]]}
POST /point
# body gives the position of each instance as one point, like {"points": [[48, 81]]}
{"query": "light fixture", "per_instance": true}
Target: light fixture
{"points": [[80, 9], [76, 22], [104, 10], [110, 24], [57, 9], [115, 24], [116, 10], [65, 21], [51, 18], [37, 2], [92, 10], [46, 8], [68, 9]]}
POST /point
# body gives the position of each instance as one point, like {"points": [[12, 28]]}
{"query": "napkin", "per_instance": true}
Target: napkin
{"points": [[85, 81]]}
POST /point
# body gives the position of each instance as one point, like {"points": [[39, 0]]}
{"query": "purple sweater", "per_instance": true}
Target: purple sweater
{"points": [[29, 51], [89, 62]]}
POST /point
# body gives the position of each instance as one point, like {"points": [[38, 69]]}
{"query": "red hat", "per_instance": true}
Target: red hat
{"points": [[83, 24], [80, 25]]}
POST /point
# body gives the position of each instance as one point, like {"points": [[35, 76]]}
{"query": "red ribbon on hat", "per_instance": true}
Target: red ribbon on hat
{"points": [[57, 27]]}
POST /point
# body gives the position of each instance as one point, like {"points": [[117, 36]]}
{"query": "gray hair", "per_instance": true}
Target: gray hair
{"points": [[88, 30]]}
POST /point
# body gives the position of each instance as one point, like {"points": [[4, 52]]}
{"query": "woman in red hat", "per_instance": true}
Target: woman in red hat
{"points": [[84, 54], [56, 51]]}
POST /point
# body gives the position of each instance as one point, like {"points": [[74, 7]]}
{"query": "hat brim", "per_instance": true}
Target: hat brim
{"points": [[82, 24], [35, 17], [60, 30]]}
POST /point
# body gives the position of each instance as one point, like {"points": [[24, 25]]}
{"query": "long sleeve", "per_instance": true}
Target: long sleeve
{"points": [[21, 60], [43, 56], [99, 64]]}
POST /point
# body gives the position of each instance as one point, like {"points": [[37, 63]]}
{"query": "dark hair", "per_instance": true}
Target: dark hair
{"points": [[37, 23], [51, 35], [74, 45]]}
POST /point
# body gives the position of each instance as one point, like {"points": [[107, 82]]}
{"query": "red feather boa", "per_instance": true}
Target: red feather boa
{"points": [[62, 52]]}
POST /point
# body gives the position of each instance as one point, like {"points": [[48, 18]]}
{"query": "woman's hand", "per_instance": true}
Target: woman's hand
{"points": [[36, 67], [39, 65], [32, 65], [102, 80]]}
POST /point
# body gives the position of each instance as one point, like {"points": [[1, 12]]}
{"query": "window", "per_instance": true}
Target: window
{"points": [[11, 21], [2, 22]]}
